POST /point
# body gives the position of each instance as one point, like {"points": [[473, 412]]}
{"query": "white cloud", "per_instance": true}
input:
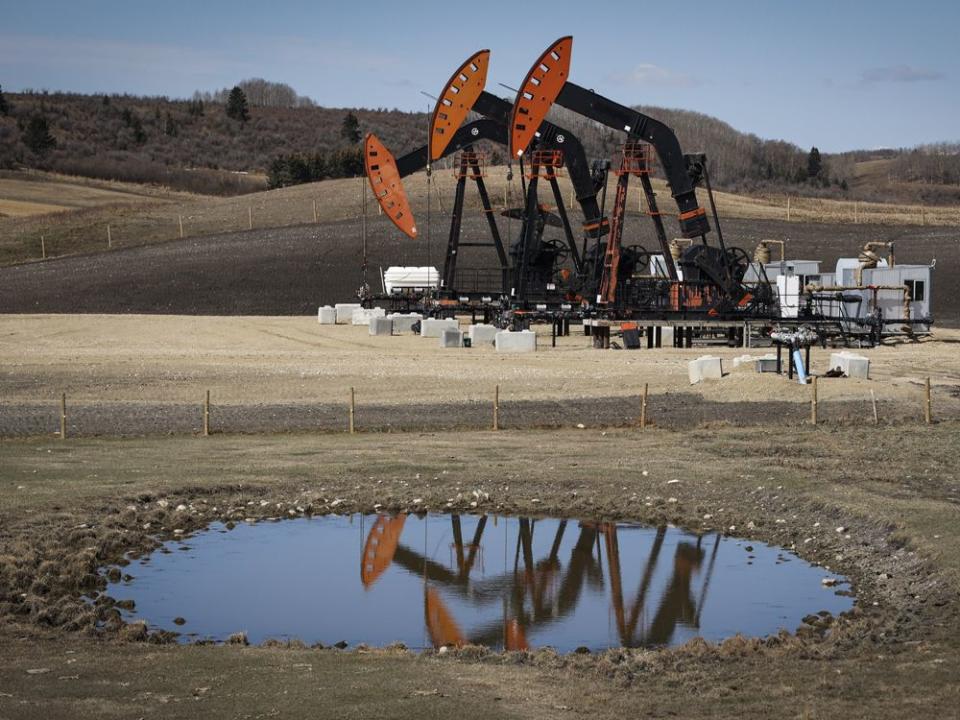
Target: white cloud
{"points": [[650, 75], [899, 74]]}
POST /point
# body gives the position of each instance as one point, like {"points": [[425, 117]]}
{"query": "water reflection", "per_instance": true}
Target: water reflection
{"points": [[538, 591], [505, 582]]}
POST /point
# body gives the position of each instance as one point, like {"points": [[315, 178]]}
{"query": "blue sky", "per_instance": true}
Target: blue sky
{"points": [[839, 75]]}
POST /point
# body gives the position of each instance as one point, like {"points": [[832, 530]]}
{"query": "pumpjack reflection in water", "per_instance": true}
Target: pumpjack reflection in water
{"points": [[537, 593]]}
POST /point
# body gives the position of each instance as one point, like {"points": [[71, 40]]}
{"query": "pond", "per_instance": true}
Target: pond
{"points": [[505, 582]]}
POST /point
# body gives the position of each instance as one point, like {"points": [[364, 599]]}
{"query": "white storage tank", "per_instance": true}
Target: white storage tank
{"points": [[400, 279]]}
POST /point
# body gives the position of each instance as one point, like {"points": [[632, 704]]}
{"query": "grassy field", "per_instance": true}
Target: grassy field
{"points": [[156, 217], [29, 193], [896, 656]]}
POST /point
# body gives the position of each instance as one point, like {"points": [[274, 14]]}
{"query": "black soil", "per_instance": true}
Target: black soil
{"points": [[290, 271]]}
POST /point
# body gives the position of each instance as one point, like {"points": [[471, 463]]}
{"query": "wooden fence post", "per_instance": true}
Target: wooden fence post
{"points": [[206, 415], [250, 217], [63, 416], [352, 411], [109, 237], [873, 401], [496, 407], [315, 217], [180, 223], [643, 407], [788, 208], [43, 248], [928, 411], [813, 402]]}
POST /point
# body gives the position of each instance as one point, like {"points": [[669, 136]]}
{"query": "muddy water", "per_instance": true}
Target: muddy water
{"points": [[505, 582]]}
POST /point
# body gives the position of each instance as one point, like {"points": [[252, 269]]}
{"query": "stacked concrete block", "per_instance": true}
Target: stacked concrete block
{"points": [[433, 327], [451, 338], [705, 367], [482, 335], [518, 342], [404, 322], [327, 315], [345, 312], [362, 316], [666, 336], [381, 326], [852, 365]]}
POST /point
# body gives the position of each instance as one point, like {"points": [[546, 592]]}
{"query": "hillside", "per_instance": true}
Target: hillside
{"points": [[192, 145], [160, 219]]}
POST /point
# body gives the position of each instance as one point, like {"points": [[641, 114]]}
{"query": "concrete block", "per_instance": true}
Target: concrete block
{"points": [[766, 363], [743, 361], [858, 367], [403, 322], [705, 367], [345, 312], [482, 335], [362, 316], [851, 364], [381, 326], [666, 336], [433, 327], [451, 338], [327, 315], [509, 341]]}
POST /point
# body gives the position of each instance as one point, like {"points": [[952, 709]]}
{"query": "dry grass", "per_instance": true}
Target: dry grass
{"points": [[150, 217], [244, 360], [24, 194]]}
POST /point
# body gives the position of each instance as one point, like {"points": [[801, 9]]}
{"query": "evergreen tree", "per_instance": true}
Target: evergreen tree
{"points": [[237, 105], [37, 137], [4, 105], [814, 163], [350, 130], [139, 135], [169, 126]]}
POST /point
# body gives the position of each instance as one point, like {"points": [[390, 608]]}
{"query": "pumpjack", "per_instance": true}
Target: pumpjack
{"points": [[532, 270], [603, 277], [712, 276]]}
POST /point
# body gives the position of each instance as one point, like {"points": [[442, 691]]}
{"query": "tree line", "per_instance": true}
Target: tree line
{"points": [[261, 127]]}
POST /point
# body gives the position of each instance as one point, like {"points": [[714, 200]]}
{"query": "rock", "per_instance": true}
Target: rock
{"points": [[134, 632], [828, 582], [341, 644], [582, 650], [179, 621], [443, 650]]}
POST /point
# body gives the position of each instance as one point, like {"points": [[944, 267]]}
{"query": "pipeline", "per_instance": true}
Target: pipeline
{"points": [[812, 288]]}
